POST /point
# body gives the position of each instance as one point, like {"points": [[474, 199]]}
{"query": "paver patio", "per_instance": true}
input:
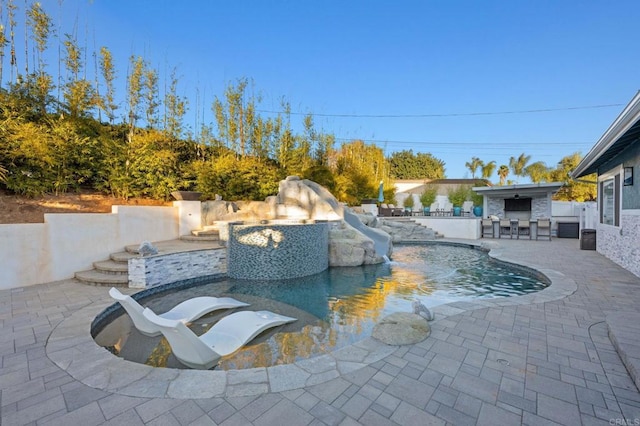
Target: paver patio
{"points": [[536, 359]]}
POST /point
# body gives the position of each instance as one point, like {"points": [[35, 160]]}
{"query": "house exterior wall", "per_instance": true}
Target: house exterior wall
{"points": [[628, 158], [622, 244]]}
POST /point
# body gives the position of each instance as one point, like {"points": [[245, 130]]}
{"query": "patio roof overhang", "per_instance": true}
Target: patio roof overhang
{"points": [[524, 190], [624, 131]]}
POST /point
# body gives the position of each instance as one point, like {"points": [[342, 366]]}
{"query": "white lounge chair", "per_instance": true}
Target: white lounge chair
{"points": [[225, 337], [186, 311]]}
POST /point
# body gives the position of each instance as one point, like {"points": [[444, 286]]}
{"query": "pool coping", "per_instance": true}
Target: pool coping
{"points": [[71, 347]]}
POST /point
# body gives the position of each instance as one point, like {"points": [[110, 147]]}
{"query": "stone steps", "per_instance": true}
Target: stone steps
{"points": [[112, 267], [100, 278], [122, 256], [201, 238], [114, 272], [207, 231]]}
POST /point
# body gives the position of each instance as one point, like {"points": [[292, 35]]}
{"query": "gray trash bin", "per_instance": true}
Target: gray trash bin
{"points": [[588, 239]]}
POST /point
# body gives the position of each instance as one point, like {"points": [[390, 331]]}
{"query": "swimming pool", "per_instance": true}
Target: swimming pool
{"points": [[335, 308]]}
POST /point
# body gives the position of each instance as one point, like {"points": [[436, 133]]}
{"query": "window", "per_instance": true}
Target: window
{"points": [[610, 200], [517, 204]]}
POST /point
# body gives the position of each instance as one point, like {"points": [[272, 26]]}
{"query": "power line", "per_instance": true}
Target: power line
{"points": [[469, 114], [452, 144]]}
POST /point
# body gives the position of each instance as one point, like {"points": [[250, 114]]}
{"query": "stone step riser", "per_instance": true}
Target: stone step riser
{"points": [[206, 233], [97, 278], [198, 239]]}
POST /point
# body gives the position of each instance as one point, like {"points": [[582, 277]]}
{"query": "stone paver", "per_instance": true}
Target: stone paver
{"points": [[551, 357]]}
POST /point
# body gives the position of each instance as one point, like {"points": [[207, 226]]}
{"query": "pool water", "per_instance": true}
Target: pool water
{"points": [[335, 308]]}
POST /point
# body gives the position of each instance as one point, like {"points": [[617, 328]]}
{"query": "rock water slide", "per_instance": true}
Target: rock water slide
{"points": [[322, 205]]}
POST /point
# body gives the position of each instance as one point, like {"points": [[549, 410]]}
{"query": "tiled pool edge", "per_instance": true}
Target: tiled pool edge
{"points": [[71, 347]]}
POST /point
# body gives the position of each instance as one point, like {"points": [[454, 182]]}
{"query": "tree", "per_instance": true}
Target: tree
{"points": [[407, 165], [175, 109], [41, 27], [234, 117], [78, 92], [519, 164], [538, 172], [488, 169], [151, 97], [359, 170], [135, 81], [107, 69], [3, 42], [503, 172], [11, 8], [573, 190], [473, 165]]}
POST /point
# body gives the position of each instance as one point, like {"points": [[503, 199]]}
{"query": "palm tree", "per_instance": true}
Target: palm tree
{"points": [[503, 172], [473, 165], [518, 165], [488, 169]]}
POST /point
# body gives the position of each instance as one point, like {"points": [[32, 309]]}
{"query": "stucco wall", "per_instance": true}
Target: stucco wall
{"points": [[68, 242], [620, 244], [452, 227]]}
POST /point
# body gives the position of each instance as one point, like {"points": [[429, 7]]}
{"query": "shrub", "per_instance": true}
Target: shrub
{"points": [[408, 202], [428, 196], [459, 195]]}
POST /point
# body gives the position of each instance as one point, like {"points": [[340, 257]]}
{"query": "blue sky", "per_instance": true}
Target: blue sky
{"points": [[444, 60]]}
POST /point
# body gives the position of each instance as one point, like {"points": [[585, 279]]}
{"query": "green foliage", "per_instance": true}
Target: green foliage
{"points": [[321, 175], [429, 195], [407, 165], [476, 198], [473, 165], [538, 172], [246, 178], [573, 190], [409, 201], [488, 169], [460, 194], [503, 172], [518, 165], [359, 170]]}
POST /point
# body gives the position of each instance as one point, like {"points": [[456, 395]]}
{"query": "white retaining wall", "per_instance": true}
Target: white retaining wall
{"points": [[70, 242], [452, 227]]}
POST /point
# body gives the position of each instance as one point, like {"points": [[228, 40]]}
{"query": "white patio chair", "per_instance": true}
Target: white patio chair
{"points": [[225, 337], [185, 312]]}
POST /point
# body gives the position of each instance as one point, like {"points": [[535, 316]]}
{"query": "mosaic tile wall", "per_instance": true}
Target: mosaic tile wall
{"points": [[268, 252], [151, 271]]}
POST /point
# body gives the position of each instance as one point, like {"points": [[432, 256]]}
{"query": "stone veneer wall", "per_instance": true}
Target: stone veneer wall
{"points": [[151, 271], [539, 207], [276, 251], [620, 244]]}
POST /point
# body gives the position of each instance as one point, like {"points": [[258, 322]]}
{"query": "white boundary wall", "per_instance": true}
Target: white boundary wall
{"points": [[70, 242], [452, 227]]}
